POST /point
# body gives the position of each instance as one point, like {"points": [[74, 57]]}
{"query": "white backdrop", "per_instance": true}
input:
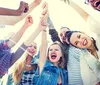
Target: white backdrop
{"points": [[60, 13]]}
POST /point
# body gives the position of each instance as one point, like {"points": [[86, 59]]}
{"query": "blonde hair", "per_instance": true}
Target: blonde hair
{"points": [[19, 67]]}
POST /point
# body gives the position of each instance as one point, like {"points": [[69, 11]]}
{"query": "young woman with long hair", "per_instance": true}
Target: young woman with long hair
{"points": [[90, 55]]}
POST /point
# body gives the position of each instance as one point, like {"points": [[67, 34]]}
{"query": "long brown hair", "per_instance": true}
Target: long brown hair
{"points": [[62, 59]]}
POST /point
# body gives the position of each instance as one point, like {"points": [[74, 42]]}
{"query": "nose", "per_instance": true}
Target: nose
{"points": [[53, 52], [80, 41], [32, 48], [63, 34]]}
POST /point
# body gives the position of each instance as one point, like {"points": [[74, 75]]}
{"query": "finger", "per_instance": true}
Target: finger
{"points": [[28, 17], [21, 2], [44, 5], [42, 17], [47, 13], [44, 11], [26, 3], [30, 20], [26, 8], [43, 23]]}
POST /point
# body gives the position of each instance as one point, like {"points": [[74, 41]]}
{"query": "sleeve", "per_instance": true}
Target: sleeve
{"points": [[75, 52], [54, 35], [52, 31], [94, 25], [18, 54], [3, 44]]}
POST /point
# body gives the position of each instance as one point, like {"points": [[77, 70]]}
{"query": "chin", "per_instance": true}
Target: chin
{"points": [[53, 61], [64, 41], [31, 54]]}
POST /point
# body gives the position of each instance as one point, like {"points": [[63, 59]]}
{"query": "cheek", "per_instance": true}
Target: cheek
{"points": [[59, 54], [49, 54], [35, 50], [79, 46], [28, 49], [89, 42]]}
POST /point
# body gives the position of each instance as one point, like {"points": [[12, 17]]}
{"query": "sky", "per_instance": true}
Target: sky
{"points": [[60, 13]]}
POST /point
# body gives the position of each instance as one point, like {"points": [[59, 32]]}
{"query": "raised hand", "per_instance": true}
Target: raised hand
{"points": [[43, 20], [29, 20], [23, 8]]}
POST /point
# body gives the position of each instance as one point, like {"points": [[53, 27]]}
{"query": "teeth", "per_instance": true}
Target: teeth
{"points": [[96, 3], [84, 42], [52, 54]]}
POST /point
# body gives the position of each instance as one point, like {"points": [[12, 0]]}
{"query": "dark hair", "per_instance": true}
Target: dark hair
{"points": [[69, 34], [95, 44], [65, 27], [63, 61]]}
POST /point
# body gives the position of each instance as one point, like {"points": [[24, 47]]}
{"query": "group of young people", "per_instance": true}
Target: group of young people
{"points": [[72, 59]]}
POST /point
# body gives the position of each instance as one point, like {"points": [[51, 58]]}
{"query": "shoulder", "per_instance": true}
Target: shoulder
{"points": [[74, 49], [3, 43]]}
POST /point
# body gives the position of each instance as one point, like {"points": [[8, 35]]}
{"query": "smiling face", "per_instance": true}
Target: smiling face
{"points": [[95, 4], [80, 40], [62, 34], [32, 49], [55, 53]]}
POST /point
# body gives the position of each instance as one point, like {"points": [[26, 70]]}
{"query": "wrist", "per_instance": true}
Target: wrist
{"points": [[26, 25]]}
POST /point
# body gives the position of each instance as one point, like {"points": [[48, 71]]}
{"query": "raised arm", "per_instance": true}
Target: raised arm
{"points": [[14, 39], [94, 24], [26, 43], [12, 20], [52, 31], [43, 48], [23, 8], [32, 36]]}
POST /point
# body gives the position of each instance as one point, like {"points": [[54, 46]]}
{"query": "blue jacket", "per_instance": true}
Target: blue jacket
{"points": [[50, 75]]}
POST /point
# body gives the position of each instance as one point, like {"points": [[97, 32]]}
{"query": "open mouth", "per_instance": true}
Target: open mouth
{"points": [[53, 56], [85, 42], [97, 3]]}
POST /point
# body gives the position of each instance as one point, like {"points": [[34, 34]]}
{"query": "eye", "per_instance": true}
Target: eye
{"points": [[78, 36], [61, 34], [50, 49], [35, 47], [30, 46], [56, 49], [76, 43]]}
